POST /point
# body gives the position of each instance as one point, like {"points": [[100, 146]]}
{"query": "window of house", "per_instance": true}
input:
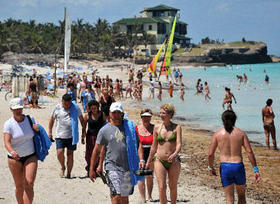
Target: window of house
{"points": [[158, 14], [161, 28], [150, 27]]}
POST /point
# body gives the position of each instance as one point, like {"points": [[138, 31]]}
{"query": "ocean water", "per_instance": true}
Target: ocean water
{"points": [[251, 97]]}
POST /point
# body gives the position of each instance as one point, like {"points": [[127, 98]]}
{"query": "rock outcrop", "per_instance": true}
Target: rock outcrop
{"points": [[229, 55]]}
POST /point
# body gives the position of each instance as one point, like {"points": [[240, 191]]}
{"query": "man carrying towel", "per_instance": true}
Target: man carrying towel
{"points": [[67, 136], [119, 138]]}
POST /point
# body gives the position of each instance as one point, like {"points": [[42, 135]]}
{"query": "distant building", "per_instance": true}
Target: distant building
{"points": [[157, 21]]}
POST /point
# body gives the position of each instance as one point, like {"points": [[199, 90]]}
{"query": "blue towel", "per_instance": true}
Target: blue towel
{"points": [[87, 97], [72, 95], [74, 120], [132, 151], [42, 143]]}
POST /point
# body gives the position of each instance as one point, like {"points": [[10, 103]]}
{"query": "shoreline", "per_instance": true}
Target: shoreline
{"points": [[194, 163], [195, 184]]}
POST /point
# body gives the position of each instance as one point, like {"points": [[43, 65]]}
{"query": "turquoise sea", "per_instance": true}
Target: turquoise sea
{"points": [[251, 97]]}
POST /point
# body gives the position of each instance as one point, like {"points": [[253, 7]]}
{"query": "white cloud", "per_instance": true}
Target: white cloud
{"points": [[25, 3], [224, 6]]}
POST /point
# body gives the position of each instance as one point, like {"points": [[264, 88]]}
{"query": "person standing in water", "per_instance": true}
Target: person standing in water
{"points": [[170, 89], [159, 91], [228, 99], [182, 91], [268, 123], [229, 141], [207, 91], [197, 87], [266, 79]]}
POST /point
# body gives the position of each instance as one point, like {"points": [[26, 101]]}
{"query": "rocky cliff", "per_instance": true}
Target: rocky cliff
{"points": [[228, 55]]}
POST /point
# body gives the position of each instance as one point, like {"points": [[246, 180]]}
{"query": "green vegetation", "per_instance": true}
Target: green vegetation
{"points": [[99, 38], [245, 44], [192, 52]]}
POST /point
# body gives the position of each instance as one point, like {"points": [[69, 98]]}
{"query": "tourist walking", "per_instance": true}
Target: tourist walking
{"points": [[67, 135], [230, 140], [145, 134], [33, 92], [166, 146], [120, 140], [105, 101], [268, 124], [94, 120], [22, 159]]}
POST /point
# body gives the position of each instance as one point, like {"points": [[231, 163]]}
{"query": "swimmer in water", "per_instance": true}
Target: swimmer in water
{"points": [[228, 99]]}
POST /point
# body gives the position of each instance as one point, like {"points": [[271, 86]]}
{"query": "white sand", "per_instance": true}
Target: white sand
{"points": [[49, 188]]}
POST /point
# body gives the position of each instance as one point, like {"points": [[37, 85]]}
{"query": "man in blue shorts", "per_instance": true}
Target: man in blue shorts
{"points": [[64, 113], [230, 140]]}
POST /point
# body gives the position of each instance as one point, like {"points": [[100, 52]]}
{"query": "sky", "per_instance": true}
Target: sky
{"points": [[228, 20]]}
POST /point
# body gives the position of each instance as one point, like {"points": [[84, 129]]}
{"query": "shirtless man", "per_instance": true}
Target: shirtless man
{"points": [[228, 99], [229, 141], [268, 123], [207, 91]]}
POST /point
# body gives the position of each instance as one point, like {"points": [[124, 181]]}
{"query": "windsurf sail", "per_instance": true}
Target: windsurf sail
{"points": [[163, 70], [153, 64], [169, 47], [67, 39]]}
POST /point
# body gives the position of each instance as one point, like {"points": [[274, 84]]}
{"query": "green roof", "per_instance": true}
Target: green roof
{"points": [[161, 7], [181, 22], [133, 21]]}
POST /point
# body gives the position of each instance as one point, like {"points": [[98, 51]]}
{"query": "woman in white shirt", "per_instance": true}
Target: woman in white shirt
{"points": [[22, 159]]}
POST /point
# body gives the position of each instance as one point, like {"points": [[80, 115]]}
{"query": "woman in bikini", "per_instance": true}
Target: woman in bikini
{"points": [[166, 146], [268, 123], [182, 91], [145, 134]]}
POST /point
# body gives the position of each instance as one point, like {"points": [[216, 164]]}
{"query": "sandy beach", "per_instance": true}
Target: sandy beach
{"points": [[195, 184]]}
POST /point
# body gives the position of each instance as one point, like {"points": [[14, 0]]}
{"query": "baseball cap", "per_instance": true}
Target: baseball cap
{"points": [[146, 114], [116, 106], [16, 103]]}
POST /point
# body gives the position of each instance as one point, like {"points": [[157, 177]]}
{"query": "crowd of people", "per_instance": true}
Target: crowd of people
{"points": [[116, 147]]}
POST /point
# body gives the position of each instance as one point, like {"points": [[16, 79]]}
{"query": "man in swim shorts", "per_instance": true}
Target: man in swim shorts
{"points": [[113, 138], [230, 140]]}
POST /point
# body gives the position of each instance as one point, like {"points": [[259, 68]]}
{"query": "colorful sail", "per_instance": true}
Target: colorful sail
{"points": [[169, 47], [153, 64], [67, 40], [163, 70]]}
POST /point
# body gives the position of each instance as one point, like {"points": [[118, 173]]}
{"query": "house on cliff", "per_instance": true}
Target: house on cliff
{"points": [[156, 21]]}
